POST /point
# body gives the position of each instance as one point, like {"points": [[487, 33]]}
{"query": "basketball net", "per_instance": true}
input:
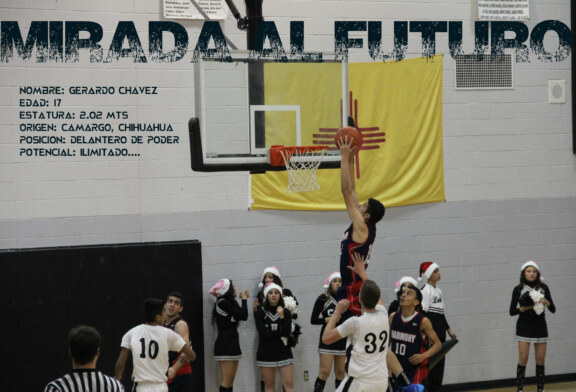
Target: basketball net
{"points": [[301, 165]]}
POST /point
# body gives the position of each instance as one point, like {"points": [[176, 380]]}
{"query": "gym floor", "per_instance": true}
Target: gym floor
{"points": [[556, 387]]}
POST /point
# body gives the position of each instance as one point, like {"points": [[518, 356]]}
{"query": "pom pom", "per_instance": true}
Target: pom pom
{"points": [[291, 304], [536, 296], [296, 332]]}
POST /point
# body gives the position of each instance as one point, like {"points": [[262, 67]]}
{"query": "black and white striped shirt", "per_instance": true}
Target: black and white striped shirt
{"points": [[85, 380], [433, 308]]}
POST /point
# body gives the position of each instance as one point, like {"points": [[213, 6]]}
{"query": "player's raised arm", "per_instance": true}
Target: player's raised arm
{"points": [[331, 333], [359, 267], [348, 188]]}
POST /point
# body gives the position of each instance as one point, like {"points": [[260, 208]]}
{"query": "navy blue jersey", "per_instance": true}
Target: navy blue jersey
{"points": [[174, 355], [348, 247], [407, 340], [351, 283]]}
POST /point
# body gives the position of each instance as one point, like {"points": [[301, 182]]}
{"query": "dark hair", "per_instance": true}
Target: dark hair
{"points": [[376, 210], [537, 283], [152, 308], [227, 296], [399, 292], [260, 295], [176, 294], [84, 342], [328, 292], [277, 280], [369, 294], [266, 305]]}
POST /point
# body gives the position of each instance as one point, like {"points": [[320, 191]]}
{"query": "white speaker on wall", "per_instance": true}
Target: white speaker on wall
{"points": [[556, 91]]}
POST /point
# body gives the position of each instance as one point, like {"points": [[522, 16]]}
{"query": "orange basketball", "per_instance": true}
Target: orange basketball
{"points": [[351, 133]]}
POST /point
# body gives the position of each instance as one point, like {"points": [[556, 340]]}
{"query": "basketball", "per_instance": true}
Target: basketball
{"points": [[352, 133]]}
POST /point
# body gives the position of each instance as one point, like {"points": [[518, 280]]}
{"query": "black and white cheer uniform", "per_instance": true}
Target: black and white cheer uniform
{"points": [[530, 327], [273, 332], [228, 313], [323, 308]]}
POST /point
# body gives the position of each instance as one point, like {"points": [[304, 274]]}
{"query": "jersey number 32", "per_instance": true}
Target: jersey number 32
{"points": [[376, 343]]}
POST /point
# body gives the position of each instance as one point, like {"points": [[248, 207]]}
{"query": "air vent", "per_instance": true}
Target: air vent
{"points": [[473, 72]]}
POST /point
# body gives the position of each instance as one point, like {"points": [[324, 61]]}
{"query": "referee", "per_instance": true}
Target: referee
{"points": [[84, 345]]}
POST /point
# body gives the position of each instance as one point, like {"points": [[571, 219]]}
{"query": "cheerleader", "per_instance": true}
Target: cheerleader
{"points": [[274, 325], [226, 315], [270, 275], [334, 353], [529, 299]]}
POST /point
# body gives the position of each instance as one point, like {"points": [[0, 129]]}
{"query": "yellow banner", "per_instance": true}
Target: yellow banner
{"points": [[397, 107]]}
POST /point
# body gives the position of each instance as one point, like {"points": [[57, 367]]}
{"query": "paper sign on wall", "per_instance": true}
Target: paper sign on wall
{"points": [[195, 9], [503, 9]]}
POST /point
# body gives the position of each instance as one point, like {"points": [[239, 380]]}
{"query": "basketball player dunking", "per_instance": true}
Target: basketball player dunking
{"points": [[359, 237]]}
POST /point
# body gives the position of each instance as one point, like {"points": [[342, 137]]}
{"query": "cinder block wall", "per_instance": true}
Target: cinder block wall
{"points": [[509, 170], [480, 246]]}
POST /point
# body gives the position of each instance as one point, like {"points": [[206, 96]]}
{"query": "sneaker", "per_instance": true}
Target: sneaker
{"points": [[411, 388]]}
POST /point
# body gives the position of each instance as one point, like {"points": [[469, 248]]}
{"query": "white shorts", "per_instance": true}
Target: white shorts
{"points": [[351, 384], [151, 387]]}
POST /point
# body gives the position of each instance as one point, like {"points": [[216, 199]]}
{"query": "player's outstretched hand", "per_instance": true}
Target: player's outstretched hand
{"points": [[411, 388], [346, 147], [359, 266]]}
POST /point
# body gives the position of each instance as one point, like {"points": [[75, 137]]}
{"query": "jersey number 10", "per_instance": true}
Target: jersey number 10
{"points": [[152, 349], [400, 349]]}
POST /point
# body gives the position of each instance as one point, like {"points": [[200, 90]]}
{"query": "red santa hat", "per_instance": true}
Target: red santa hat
{"points": [[427, 268], [330, 278], [273, 270]]}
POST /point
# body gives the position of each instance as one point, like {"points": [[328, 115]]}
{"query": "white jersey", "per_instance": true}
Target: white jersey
{"points": [[432, 301], [150, 345], [369, 336]]}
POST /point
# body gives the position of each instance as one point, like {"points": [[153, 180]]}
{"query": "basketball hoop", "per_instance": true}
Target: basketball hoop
{"points": [[301, 164]]}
